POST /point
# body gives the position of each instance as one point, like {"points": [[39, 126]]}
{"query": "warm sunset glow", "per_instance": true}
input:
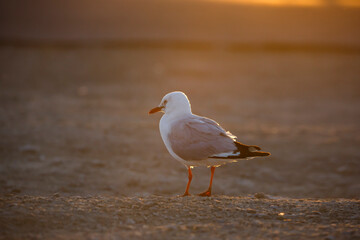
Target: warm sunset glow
{"points": [[350, 3], [279, 2], [310, 3]]}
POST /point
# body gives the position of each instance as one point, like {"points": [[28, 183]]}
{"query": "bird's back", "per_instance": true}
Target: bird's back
{"points": [[197, 138]]}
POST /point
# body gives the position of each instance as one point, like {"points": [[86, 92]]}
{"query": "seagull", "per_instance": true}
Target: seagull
{"points": [[198, 141]]}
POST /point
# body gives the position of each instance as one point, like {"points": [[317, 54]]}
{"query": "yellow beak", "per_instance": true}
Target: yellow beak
{"points": [[155, 110]]}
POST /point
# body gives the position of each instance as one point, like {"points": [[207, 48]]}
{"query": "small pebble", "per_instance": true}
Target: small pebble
{"points": [[260, 195]]}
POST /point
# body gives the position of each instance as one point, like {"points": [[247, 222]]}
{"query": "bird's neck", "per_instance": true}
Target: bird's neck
{"points": [[177, 114]]}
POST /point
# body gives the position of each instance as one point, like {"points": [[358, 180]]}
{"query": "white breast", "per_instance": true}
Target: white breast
{"points": [[165, 128]]}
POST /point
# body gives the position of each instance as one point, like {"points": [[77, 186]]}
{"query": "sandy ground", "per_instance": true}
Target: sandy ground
{"points": [[80, 157], [156, 217]]}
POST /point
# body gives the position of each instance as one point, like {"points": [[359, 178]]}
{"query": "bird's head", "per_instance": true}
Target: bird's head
{"points": [[174, 102]]}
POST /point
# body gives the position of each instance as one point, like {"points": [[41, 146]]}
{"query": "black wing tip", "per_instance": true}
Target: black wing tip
{"points": [[265, 154], [250, 150], [245, 151], [244, 155], [257, 147], [245, 147], [252, 147]]}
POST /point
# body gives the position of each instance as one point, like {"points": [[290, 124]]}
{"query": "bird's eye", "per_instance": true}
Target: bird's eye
{"points": [[165, 102]]}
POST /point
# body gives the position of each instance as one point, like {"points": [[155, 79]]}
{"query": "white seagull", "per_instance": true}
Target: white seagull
{"points": [[198, 141]]}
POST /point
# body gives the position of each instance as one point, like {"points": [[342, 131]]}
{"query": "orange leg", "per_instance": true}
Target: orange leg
{"points": [[188, 184], [208, 192]]}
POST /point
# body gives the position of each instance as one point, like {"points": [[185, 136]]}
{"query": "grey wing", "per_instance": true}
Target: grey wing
{"points": [[199, 138]]}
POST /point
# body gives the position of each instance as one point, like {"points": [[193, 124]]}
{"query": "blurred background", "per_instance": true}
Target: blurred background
{"points": [[79, 77]]}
